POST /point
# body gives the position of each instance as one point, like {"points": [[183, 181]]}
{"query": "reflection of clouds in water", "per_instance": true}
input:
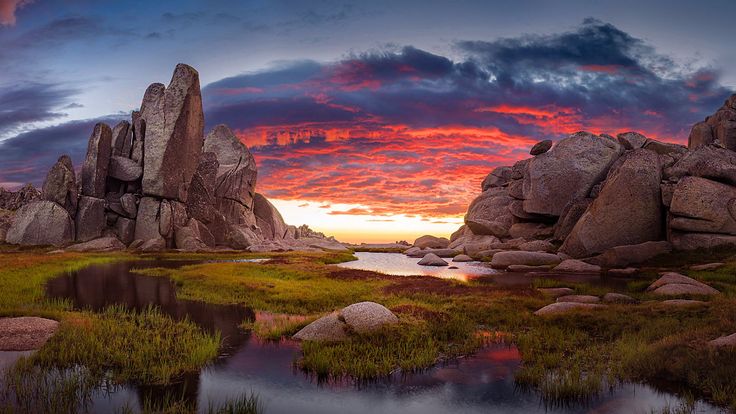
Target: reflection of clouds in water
{"points": [[398, 264]]}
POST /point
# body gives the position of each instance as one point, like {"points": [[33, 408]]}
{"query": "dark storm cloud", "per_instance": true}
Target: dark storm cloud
{"points": [[598, 71], [400, 129], [399, 116], [33, 102], [27, 157]]}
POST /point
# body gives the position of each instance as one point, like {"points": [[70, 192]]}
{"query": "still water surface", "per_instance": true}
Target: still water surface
{"points": [[482, 383]]}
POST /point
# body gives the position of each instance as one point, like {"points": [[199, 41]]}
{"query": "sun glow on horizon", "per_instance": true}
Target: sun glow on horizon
{"points": [[353, 223]]}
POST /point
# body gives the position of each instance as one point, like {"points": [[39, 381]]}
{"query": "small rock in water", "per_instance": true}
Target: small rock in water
{"points": [[432, 259], [462, 258]]}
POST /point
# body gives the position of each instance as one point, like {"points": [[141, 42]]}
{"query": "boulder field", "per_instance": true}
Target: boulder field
{"points": [[156, 182], [609, 201]]}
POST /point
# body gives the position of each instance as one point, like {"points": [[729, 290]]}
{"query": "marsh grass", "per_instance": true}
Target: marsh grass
{"points": [[408, 346], [145, 347], [275, 326], [247, 403], [567, 357], [301, 288]]}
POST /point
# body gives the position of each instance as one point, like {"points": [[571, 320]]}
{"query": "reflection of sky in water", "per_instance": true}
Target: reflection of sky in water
{"points": [[401, 265], [481, 383]]}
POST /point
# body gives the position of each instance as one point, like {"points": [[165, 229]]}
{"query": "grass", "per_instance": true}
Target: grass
{"points": [[568, 357], [114, 347]]}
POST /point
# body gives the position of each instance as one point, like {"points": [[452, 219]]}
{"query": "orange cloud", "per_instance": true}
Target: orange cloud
{"points": [[8, 8]]}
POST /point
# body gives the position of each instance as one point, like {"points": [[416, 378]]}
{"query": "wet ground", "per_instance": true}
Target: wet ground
{"points": [[482, 383]]}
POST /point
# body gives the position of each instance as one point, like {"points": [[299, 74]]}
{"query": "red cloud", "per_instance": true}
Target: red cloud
{"points": [[8, 9]]}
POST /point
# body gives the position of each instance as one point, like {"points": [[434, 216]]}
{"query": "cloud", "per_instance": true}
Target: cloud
{"points": [[406, 131], [23, 104], [403, 129], [28, 156], [8, 9]]}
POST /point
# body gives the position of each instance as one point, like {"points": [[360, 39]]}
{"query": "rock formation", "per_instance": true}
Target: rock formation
{"points": [[156, 182], [610, 201]]}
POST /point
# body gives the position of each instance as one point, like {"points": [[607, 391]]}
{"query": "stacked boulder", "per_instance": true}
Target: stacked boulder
{"points": [[156, 182], [614, 201]]}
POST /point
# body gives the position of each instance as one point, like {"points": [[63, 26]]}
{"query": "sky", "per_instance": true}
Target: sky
{"points": [[372, 121]]}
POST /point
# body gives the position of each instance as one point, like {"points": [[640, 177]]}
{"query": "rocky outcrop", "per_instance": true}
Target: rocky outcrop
{"points": [[612, 201], [627, 211], [236, 172], [720, 127], [567, 172], [13, 200], [268, 218], [155, 179], [489, 215]]}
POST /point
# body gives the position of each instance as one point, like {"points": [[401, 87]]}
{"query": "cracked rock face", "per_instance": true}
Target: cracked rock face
{"points": [[173, 136], [60, 185], [97, 161], [236, 172], [41, 223]]}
